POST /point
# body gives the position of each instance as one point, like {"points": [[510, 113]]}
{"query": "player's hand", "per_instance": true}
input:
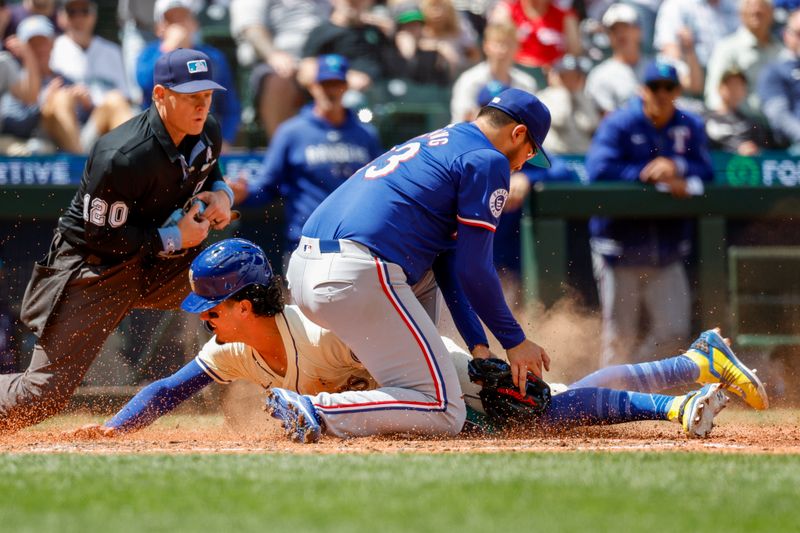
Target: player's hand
{"points": [[525, 357], [194, 230], [678, 187], [660, 169], [218, 208], [481, 351], [517, 192], [92, 432], [239, 187]]}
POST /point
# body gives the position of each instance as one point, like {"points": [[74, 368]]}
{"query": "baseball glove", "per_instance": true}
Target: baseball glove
{"points": [[501, 399]]}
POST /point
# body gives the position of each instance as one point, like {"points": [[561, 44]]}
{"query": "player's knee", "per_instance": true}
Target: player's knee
{"points": [[456, 416]]}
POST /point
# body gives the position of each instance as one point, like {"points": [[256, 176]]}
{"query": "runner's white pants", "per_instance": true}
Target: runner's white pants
{"points": [[368, 304]]}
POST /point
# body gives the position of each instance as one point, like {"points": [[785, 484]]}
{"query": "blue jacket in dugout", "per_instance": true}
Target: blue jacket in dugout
{"points": [[624, 143], [307, 160]]}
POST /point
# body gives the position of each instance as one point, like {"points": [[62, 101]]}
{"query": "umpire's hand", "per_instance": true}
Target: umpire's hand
{"points": [[525, 357], [218, 208], [194, 230]]}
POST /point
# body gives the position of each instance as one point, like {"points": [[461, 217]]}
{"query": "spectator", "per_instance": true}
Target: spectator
{"points": [[63, 110], [373, 56], [639, 264], [423, 65], [728, 128], [747, 50], [451, 36], [270, 36], [688, 27], [545, 30], [137, 28], [778, 89], [500, 47], [23, 84], [26, 8], [92, 62], [5, 18], [475, 11], [177, 27], [313, 153], [573, 115], [614, 81]]}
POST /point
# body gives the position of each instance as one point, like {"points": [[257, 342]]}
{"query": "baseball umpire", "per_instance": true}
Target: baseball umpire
{"points": [[110, 253]]}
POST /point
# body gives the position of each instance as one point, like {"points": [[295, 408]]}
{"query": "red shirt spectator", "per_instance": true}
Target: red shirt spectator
{"points": [[546, 30]]}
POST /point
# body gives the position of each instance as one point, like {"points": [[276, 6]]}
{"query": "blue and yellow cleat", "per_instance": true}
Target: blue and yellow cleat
{"points": [[296, 413], [718, 364], [698, 409]]}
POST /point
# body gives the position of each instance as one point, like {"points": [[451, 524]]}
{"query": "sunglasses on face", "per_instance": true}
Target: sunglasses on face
{"points": [[79, 11], [662, 86]]}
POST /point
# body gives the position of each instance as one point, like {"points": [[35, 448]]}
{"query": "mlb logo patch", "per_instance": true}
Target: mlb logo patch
{"points": [[198, 65]]}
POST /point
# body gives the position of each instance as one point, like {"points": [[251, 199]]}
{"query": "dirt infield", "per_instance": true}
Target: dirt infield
{"points": [[739, 431]]}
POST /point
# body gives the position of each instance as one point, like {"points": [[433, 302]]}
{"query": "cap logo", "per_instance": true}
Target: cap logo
{"points": [[191, 280], [496, 100], [198, 65]]}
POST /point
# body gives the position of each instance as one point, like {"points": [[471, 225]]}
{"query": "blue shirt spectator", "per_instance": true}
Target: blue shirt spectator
{"points": [[314, 152], [177, 27]]}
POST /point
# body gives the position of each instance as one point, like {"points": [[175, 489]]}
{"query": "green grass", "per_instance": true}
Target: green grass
{"points": [[461, 492]]}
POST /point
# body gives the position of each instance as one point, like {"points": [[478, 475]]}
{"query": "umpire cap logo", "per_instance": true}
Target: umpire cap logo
{"points": [[198, 65]]}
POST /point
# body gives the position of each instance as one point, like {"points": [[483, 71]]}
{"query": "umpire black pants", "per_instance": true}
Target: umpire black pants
{"points": [[73, 307]]}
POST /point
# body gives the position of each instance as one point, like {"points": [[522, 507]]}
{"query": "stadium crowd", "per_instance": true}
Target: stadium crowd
{"points": [[300, 73], [63, 85]]}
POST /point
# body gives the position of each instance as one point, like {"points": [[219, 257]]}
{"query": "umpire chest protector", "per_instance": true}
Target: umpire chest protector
{"points": [[134, 178]]}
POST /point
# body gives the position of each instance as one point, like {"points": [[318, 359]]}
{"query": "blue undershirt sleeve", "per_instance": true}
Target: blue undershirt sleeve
{"points": [[475, 270], [470, 328], [160, 397]]}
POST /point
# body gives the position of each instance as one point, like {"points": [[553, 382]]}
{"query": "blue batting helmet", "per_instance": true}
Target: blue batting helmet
{"points": [[222, 270]]}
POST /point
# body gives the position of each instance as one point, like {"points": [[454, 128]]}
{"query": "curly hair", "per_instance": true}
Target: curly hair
{"points": [[267, 299]]}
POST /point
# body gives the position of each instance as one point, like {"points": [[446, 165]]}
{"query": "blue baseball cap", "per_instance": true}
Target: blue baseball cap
{"points": [[222, 270], [332, 67], [526, 109], [659, 71], [489, 91], [185, 71]]}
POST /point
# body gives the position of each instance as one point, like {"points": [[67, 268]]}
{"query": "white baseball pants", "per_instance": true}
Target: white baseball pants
{"points": [[367, 302]]}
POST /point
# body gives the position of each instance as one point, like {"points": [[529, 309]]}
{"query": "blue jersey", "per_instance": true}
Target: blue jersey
{"points": [[623, 145], [406, 205], [308, 159], [433, 203]]}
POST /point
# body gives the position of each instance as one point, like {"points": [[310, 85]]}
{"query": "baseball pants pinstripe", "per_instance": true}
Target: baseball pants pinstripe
{"points": [[370, 306]]}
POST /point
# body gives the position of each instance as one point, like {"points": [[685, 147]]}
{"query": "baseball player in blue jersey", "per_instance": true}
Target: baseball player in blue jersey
{"points": [[375, 253], [261, 340]]}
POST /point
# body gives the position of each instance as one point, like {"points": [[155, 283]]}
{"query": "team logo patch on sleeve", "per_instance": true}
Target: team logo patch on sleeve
{"points": [[497, 201], [198, 65]]}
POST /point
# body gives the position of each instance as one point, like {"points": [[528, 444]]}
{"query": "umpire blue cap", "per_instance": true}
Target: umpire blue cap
{"points": [[222, 270], [185, 71], [526, 109]]}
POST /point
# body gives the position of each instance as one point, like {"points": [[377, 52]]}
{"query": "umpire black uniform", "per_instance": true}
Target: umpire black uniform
{"points": [[110, 253]]}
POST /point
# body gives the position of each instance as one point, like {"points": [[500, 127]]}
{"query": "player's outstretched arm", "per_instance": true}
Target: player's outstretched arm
{"points": [[153, 401]]}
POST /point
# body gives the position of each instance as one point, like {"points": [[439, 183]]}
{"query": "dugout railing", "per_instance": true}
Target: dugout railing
{"points": [[720, 296]]}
